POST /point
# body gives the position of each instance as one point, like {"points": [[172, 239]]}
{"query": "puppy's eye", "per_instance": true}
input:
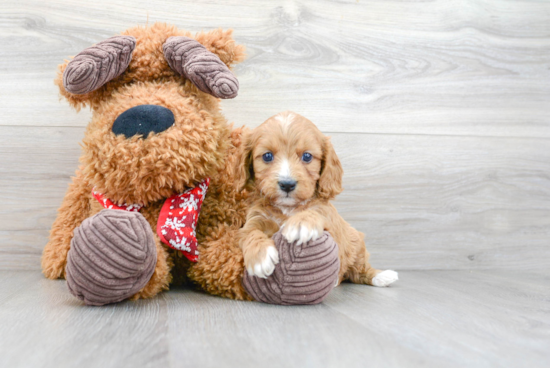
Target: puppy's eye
{"points": [[307, 157], [267, 157]]}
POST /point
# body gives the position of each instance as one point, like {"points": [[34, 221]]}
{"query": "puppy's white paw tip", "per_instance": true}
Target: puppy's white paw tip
{"points": [[302, 235], [291, 234], [385, 278], [273, 254], [258, 271], [267, 266]]}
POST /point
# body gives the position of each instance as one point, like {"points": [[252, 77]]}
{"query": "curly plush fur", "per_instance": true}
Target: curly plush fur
{"points": [[147, 171]]}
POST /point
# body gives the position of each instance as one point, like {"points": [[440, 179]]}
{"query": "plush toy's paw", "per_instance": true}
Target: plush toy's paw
{"points": [[260, 259], [52, 265], [385, 278], [306, 272], [301, 229], [112, 257]]}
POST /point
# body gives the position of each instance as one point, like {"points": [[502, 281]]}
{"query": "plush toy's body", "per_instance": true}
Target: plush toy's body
{"points": [[156, 132], [147, 163]]}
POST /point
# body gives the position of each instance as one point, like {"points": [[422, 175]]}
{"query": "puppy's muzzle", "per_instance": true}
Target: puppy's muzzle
{"points": [[287, 185], [142, 120]]}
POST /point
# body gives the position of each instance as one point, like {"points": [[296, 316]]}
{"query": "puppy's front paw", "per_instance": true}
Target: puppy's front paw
{"points": [[301, 231], [385, 278], [261, 260]]}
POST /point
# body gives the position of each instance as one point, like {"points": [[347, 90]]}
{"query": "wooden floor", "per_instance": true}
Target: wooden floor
{"points": [[427, 319]]}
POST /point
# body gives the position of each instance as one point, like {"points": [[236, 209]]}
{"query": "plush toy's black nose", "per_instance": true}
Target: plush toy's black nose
{"points": [[143, 119]]}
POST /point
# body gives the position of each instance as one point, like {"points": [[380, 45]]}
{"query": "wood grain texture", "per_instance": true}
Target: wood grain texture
{"points": [[435, 67], [445, 202], [428, 319], [439, 112], [424, 202]]}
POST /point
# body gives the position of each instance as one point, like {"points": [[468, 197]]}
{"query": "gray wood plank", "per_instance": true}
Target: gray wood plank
{"points": [[48, 327], [424, 202], [468, 68], [480, 318], [429, 202], [244, 334], [427, 319]]}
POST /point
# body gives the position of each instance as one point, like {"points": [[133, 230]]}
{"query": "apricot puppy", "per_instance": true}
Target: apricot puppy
{"points": [[293, 171]]}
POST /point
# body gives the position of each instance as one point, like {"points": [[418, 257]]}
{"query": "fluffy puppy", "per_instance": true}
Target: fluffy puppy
{"points": [[294, 172]]}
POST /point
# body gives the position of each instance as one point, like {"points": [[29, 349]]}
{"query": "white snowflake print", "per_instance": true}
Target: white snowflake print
{"points": [[133, 207], [179, 217], [174, 224], [180, 244], [204, 188], [190, 204]]}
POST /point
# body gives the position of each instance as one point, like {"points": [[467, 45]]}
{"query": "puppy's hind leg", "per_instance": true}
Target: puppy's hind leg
{"points": [[363, 273]]}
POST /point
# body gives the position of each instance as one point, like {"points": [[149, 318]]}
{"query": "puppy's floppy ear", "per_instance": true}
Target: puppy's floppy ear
{"points": [[244, 172], [330, 182]]}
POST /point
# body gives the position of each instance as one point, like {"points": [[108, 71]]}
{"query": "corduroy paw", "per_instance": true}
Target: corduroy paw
{"points": [[305, 274], [112, 257]]}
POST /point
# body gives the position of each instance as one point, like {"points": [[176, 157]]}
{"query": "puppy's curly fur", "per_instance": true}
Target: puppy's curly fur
{"points": [[294, 172]]}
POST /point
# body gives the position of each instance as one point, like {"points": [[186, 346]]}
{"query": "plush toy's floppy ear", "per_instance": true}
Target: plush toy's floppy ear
{"points": [[244, 172], [330, 182], [191, 59], [221, 43], [98, 64], [94, 67]]}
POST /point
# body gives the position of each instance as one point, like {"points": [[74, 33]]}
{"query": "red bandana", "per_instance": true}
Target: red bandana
{"points": [[177, 219]]}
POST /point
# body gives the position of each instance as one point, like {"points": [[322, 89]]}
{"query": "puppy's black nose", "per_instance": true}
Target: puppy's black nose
{"points": [[142, 120], [287, 185]]}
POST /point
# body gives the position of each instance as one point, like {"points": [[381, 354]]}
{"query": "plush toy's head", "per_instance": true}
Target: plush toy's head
{"points": [[154, 93]]}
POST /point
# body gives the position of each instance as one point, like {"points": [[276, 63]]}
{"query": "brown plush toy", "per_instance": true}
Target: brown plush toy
{"points": [[157, 153]]}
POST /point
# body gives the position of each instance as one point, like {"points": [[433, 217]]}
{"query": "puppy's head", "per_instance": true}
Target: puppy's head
{"points": [[290, 161]]}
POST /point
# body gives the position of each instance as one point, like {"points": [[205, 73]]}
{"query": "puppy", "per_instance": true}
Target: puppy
{"points": [[294, 172]]}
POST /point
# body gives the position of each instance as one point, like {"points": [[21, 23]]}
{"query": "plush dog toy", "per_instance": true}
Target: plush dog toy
{"points": [[157, 154], [156, 137]]}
